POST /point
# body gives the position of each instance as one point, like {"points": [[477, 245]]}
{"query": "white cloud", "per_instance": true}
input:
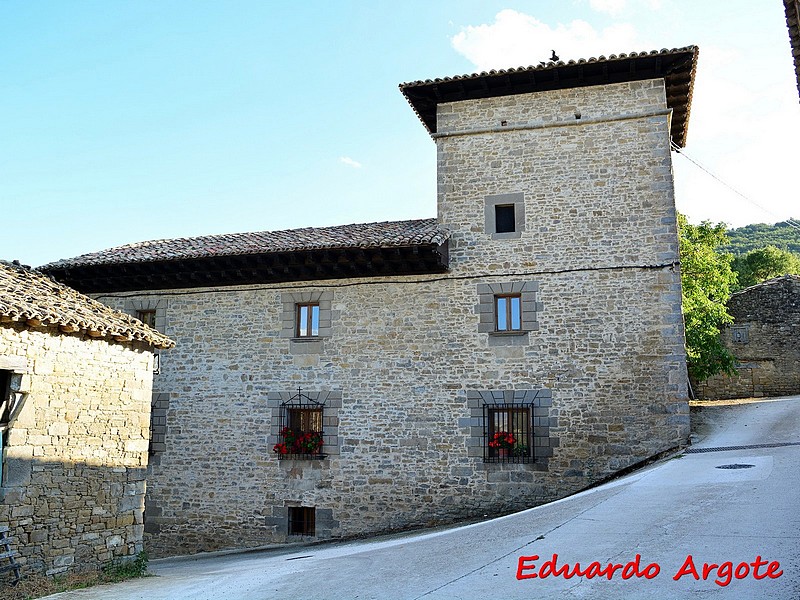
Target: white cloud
{"points": [[516, 39], [617, 7], [350, 162], [612, 7]]}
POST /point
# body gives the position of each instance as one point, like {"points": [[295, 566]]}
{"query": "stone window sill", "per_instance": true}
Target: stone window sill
{"points": [[509, 333], [307, 338]]}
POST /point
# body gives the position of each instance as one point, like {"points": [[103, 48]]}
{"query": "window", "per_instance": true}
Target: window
{"points": [[148, 317], [301, 520], [301, 426], [504, 215], [5, 417], [504, 218], [307, 321], [508, 312], [739, 334], [508, 433]]}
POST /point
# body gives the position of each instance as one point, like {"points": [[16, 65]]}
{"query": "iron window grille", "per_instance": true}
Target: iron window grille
{"points": [[301, 430], [508, 312], [307, 320], [507, 433], [302, 520]]}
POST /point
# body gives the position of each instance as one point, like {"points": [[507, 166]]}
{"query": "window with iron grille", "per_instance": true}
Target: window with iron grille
{"points": [[301, 429], [302, 520], [307, 320], [508, 435], [508, 312]]}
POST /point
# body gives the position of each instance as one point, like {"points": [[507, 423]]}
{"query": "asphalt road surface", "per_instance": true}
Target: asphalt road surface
{"points": [[676, 516]]}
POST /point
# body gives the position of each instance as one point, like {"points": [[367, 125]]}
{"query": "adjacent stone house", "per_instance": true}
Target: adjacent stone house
{"points": [[75, 391], [765, 339], [521, 346]]}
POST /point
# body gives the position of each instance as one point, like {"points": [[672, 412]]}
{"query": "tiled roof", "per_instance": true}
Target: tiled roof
{"points": [[363, 235], [677, 66], [792, 9], [781, 280], [30, 297]]}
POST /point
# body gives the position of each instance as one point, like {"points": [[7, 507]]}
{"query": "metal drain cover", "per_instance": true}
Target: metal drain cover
{"points": [[735, 466]]}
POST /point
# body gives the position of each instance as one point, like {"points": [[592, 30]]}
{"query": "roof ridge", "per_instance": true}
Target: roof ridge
{"points": [[407, 232]]}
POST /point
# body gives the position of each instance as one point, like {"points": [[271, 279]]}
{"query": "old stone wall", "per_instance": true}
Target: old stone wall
{"points": [[75, 457], [408, 368], [402, 376], [765, 339]]}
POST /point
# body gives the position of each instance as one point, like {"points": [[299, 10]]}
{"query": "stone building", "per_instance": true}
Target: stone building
{"points": [[75, 385], [523, 345], [765, 339]]}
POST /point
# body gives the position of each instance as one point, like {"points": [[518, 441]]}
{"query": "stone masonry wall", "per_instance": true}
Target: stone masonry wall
{"points": [[765, 339], [408, 365], [400, 366], [76, 456]]}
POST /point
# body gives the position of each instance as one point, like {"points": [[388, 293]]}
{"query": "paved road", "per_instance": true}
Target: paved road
{"points": [[679, 507]]}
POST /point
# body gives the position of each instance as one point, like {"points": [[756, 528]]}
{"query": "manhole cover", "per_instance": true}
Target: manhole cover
{"points": [[735, 466]]}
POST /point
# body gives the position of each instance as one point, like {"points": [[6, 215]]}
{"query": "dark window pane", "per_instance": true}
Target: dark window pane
{"points": [[301, 520], [148, 317], [504, 218]]}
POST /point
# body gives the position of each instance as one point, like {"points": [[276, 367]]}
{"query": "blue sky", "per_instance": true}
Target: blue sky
{"points": [[127, 121]]}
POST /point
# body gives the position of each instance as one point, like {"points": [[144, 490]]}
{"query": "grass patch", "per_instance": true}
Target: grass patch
{"points": [[36, 586]]}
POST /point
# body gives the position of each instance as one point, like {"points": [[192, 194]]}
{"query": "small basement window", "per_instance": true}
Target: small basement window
{"points": [[307, 320], [504, 218], [302, 520], [508, 312]]}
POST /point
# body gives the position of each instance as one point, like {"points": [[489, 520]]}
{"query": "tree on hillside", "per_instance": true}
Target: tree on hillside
{"points": [[784, 235], [707, 279], [765, 263]]}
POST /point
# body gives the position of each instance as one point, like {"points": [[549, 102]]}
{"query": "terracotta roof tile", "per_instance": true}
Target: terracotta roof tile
{"points": [[677, 66], [30, 297], [363, 235]]}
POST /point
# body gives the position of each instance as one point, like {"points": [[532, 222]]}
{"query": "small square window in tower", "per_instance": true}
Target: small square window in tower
{"points": [[307, 320], [301, 520], [508, 312], [504, 218]]}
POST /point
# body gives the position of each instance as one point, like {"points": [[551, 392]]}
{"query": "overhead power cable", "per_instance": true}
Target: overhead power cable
{"points": [[790, 222]]}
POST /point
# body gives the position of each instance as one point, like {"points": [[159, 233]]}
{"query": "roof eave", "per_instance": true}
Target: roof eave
{"points": [[677, 67]]}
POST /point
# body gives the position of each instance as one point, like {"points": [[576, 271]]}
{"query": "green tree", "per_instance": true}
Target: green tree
{"points": [[765, 263], [707, 279]]}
